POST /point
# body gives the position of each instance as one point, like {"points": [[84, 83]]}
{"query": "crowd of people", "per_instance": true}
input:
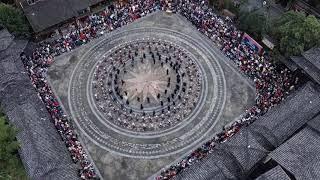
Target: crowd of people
{"points": [[272, 83], [37, 70], [38, 61], [146, 86]]}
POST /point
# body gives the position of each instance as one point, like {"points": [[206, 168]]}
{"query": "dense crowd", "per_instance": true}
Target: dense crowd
{"points": [[153, 75], [83, 30], [37, 62], [272, 83], [37, 70]]}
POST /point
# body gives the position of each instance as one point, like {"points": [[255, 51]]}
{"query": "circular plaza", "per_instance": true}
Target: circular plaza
{"points": [[147, 93]]}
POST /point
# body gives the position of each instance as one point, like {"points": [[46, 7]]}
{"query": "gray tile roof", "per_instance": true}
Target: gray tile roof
{"points": [[211, 168], [77, 5], [5, 39], [307, 8], [313, 56], [245, 148], [275, 173], [236, 157], [315, 123], [289, 63], [300, 155], [308, 67], [47, 13], [43, 152], [93, 2], [282, 121]]}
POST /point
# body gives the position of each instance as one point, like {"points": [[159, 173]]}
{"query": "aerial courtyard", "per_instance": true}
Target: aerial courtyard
{"points": [[135, 110], [159, 89]]}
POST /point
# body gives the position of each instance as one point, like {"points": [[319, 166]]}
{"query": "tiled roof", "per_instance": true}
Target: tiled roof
{"points": [[275, 173], [313, 56], [47, 13], [308, 67], [43, 152], [301, 154], [236, 157], [315, 123], [283, 120], [5, 39]]}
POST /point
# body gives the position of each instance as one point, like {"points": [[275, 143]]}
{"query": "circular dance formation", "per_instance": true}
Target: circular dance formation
{"points": [[147, 85], [147, 92]]}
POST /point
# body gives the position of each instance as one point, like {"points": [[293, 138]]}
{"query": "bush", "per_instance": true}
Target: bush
{"points": [[13, 19], [296, 33], [253, 23], [10, 165]]}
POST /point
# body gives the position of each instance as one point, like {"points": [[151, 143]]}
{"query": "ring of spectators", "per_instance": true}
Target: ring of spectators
{"points": [[272, 83]]}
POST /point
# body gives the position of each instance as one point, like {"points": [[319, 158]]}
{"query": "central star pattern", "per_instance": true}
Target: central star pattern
{"points": [[145, 81]]}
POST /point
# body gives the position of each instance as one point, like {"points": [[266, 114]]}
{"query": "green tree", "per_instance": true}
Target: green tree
{"points": [[14, 20], [296, 33], [10, 165], [252, 23]]}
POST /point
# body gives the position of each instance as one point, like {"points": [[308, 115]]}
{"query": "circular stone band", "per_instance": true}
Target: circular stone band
{"points": [[154, 143], [179, 106]]}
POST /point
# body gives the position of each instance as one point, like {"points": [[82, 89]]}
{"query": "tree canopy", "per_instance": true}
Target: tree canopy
{"points": [[13, 19], [253, 23], [10, 164], [296, 33]]}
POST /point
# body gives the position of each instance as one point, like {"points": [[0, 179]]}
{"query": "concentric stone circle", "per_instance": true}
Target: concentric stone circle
{"points": [[208, 92], [141, 90]]}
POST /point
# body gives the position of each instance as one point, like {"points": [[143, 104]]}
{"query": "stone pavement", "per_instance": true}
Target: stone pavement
{"points": [[120, 153]]}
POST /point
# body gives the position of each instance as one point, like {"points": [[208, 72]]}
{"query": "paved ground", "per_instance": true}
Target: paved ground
{"points": [[120, 153]]}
